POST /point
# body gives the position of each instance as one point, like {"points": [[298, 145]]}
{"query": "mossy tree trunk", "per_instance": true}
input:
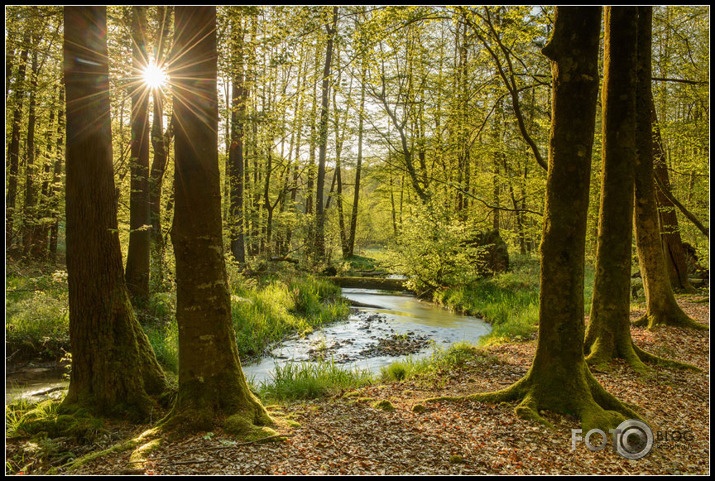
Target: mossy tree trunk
{"points": [[662, 308], [673, 249], [239, 99], [212, 387], [138, 253], [609, 332], [113, 366], [559, 379]]}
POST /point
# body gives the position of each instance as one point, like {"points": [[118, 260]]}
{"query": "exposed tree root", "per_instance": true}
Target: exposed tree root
{"points": [[588, 401], [652, 321], [601, 354]]}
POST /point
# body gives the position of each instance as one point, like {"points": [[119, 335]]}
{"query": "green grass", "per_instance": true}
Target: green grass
{"points": [[439, 361], [508, 301], [262, 313], [297, 381], [37, 320], [267, 314]]}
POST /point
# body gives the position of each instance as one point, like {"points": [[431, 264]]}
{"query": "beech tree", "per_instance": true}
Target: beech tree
{"points": [[662, 308], [608, 335], [114, 369], [559, 360], [212, 386]]}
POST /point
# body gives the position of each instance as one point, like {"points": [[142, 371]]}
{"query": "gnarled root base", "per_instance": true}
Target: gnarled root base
{"points": [[204, 406], [676, 319], [600, 357], [586, 399]]}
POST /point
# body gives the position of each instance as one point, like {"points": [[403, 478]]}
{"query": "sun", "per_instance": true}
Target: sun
{"points": [[154, 76]]}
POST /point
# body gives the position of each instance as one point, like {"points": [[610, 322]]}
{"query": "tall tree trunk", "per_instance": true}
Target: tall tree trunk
{"points": [[139, 251], [319, 246], [161, 142], [609, 329], [662, 308], [212, 387], [56, 179], [358, 165], [235, 155], [559, 361], [113, 365], [13, 151], [29, 209], [669, 230]]}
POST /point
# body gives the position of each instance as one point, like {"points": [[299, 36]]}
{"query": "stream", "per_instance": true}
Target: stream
{"points": [[397, 325]]}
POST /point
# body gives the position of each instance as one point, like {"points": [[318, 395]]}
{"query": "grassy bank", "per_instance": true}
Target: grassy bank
{"points": [[508, 301], [263, 312]]}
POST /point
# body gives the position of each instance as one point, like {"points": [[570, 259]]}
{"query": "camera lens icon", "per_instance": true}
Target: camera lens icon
{"points": [[634, 439]]}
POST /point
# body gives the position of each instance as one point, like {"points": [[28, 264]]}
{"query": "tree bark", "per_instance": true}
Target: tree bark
{"points": [[559, 379], [669, 230], [212, 387], [609, 329], [319, 246], [113, 365], [662, 308], [139, 251]]}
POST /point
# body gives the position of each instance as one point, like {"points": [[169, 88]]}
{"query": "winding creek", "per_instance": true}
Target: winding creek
{"points": [[397, 325]]}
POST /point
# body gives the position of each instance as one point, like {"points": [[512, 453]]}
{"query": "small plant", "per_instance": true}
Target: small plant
{"points": [[305, 380]]}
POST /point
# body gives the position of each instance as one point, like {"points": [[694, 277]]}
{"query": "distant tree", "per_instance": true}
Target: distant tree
{"points": [[13, 152], [114, 369], [212, 387], [319, 246], [662, 308], [138, 252]]}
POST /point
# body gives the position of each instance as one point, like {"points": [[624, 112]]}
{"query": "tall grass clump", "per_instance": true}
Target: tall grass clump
{"points": [[37, 319], [307, 380], [268, 313], [508, 301], [439, 360]]}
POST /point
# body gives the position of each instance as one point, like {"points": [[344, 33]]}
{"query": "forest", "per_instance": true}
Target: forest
{"points": [[357, 240]]}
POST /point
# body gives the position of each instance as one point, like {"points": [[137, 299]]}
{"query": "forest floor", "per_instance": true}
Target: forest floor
{"points": [[348, 434]]}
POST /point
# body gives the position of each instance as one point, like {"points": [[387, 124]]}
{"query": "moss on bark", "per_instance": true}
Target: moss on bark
{"points": [[559, 379], [662, 308]]}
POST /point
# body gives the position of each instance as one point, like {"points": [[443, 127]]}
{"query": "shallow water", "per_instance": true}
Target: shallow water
{"points": [[347, 343], [35, 383], [394, 314]]}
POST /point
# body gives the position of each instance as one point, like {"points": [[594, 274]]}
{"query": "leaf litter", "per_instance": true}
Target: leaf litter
{"points": [[338, 435]]}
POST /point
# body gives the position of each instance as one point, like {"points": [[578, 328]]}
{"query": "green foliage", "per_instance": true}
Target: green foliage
{"points": [[37, 317], [267, 314], [294, 381], [433, 250], [440, 360]]}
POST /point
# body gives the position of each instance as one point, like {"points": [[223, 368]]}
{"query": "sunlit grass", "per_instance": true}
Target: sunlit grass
{"points": [[294, 381]]}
